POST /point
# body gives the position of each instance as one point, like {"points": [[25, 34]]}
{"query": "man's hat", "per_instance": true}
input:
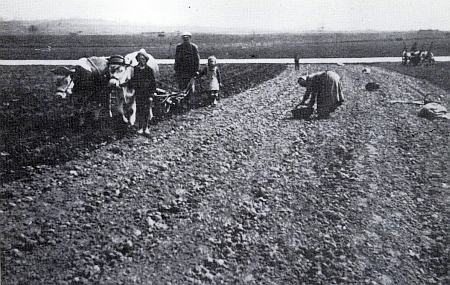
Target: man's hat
{"points": [[186, 34], [116, 59], [144, 54]]}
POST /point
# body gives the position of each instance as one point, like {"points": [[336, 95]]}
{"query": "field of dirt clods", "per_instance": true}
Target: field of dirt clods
{"points": [[38, 128], [240, 193]]}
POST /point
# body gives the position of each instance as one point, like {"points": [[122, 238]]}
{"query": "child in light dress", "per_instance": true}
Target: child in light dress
{"points": [[213, 79]]}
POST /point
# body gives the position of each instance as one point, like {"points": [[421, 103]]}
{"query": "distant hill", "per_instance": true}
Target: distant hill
{"points": [[104, 27], [78, 26], [98, 27]]}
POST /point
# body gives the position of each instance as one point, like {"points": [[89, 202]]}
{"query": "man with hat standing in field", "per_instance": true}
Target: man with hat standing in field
{"points": [[187, 61]]}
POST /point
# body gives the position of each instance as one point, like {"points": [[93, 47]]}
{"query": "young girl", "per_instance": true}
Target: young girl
{"points": [[144, 83], [213, 78]]}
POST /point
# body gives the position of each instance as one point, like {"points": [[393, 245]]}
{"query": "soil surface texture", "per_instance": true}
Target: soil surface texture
{"points": [[242, 193]]}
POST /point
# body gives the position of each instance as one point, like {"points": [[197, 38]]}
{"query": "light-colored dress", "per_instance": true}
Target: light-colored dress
{"points": [[212, 78]]}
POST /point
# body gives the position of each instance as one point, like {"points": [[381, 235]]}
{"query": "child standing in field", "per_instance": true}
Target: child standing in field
{"points": [[213, 79], [144, 84]]}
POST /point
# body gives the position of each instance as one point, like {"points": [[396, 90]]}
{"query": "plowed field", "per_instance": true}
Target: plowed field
{"points": [[240, 193]]}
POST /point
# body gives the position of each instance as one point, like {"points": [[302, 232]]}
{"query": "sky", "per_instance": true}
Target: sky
{"points": [[256, 15]]}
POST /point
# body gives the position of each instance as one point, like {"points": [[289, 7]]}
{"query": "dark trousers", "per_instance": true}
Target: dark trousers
{"points": [[143, 105], [183, 82]]}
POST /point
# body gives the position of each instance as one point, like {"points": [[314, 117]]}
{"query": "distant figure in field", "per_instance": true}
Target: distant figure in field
{"points": [[323, 88], [187, 61], [213, 78], [297, 61]]}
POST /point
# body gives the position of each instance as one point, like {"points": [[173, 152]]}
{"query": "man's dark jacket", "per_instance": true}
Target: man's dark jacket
{"points": [[187, 60]]}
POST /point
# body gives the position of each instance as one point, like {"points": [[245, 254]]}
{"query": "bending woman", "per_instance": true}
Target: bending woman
{"points": [[323, 88]]}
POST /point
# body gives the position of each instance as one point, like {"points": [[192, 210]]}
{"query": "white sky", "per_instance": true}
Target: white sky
{"points": [[279, 15]]}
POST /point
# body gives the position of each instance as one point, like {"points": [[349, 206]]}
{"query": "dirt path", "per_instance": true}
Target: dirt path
{"points": [[243, 194]]}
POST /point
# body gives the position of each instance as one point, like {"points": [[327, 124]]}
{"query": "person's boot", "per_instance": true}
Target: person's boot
{"points": [[215, 100]]}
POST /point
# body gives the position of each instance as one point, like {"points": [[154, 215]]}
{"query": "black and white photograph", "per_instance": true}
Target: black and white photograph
{"points": [[224, 142]]}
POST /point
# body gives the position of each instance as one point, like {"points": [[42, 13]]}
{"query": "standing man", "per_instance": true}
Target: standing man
{"points": [[187, 61], [297, 61]]}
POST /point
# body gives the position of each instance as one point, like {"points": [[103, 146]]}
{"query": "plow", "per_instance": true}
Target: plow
{"points": [[171, 101]]}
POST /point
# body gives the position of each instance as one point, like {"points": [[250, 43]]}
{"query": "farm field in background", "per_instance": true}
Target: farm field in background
{"points": [[438, 73], [308, 45]]}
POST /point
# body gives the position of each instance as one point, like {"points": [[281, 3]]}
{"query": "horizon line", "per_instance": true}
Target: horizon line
{"points": [[216, 29]]}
